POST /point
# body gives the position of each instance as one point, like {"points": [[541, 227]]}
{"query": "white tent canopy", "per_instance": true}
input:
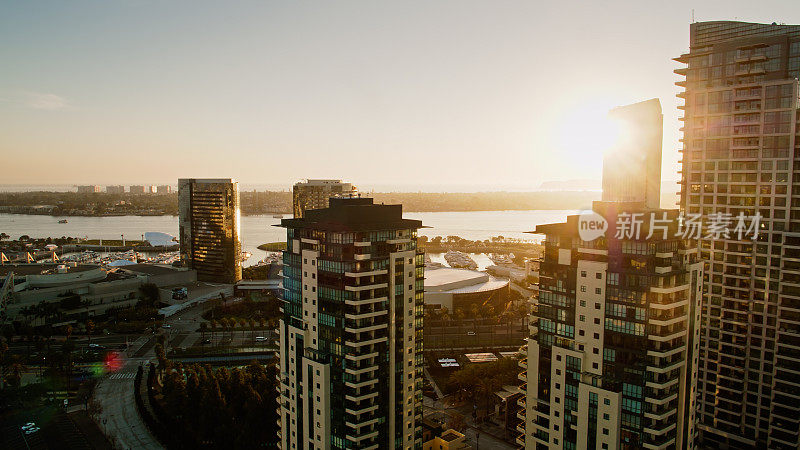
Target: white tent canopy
{"points": [[159, 239]]}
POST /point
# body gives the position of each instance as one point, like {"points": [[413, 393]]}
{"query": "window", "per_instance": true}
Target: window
{"points": [[598, 291], [598, 275], [583, 274], [606, 401], [597, 306], [583, 288]]}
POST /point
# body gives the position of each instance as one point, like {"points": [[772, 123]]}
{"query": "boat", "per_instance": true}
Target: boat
{"points": [[460, 260], [63, 221], [501, 259], [244, 256], [277, 216]]}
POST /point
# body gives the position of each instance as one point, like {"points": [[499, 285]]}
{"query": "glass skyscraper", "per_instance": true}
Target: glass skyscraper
{"points": [[741, 155]]}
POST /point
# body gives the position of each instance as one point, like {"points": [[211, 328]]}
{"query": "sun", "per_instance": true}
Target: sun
{"points": [[589, 132]]}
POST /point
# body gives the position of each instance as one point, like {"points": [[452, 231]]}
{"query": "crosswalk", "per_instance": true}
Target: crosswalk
{"points": [[122, 376]]}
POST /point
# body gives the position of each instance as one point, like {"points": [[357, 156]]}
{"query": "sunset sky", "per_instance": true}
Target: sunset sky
{"points": [[455, 95]]}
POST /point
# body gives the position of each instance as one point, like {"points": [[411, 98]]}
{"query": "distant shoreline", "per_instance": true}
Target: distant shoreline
{"points": [[287, 215], [73, 204]]}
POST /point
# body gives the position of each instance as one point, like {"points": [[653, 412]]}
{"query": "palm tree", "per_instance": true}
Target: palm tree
{"points": [[486, 386], [14, 376], [89, 329]]}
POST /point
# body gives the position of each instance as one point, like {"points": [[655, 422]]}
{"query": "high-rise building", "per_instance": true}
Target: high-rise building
{"points": [[314, 194], [611, 358], [163, 189], [136, 189], [208, 227], [740, 144], [118, 189], [351, 332], [632, 167], [89, 189]]}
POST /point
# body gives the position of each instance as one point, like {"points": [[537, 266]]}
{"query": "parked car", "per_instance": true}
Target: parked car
{"points": [[261, 339], [470, 333]]}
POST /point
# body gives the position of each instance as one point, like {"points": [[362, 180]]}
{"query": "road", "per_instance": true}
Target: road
{"points": [[119, 419]]}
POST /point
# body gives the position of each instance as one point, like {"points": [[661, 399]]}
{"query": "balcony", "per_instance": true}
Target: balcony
{"points": [[361, 424], [666, 321], [365, 287], [364, 410], [361, 368], [360, 397], [357, 439], [367, 314], [367, 274], [358, 355], [365, 301], [361, 384], [354, 328]]}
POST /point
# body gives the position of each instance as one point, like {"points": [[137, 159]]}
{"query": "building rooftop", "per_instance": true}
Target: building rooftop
{"points": [[318, 182], [451, 435], [151, 269], [460, 281], [353, 214], [207, 180], [37, 269]]}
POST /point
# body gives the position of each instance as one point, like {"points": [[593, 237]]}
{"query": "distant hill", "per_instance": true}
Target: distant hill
{"points": [[571, 185]]}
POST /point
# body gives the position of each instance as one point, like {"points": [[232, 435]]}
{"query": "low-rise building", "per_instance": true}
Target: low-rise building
{"points": [[449, 440], [461, 288], [79, 290]]}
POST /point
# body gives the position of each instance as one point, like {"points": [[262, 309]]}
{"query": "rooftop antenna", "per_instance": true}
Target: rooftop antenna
{"points": [[693, 15]]}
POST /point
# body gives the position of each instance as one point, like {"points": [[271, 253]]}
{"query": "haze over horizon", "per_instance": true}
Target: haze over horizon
{"points": [[487, 96]]}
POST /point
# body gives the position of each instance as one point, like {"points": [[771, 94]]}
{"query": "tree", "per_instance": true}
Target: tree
{"points": [[486, 386], [4, 236], [89, 329], [150, 294], [14, 375]]}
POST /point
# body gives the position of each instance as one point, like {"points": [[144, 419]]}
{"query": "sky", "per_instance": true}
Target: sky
{"points": [[412, 95]]}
